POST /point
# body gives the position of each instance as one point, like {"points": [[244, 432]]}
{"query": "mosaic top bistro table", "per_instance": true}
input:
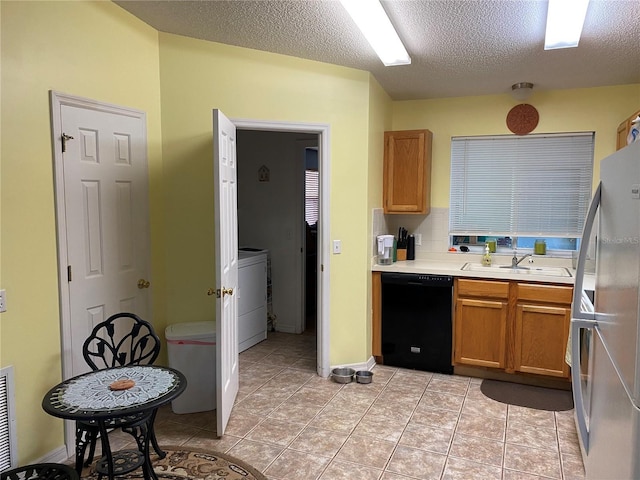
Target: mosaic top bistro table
{"points": [[104, 395]]}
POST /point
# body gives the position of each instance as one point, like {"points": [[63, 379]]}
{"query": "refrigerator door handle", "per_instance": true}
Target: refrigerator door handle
{"points": [[578, 397], [582, 318], [576, 311]]}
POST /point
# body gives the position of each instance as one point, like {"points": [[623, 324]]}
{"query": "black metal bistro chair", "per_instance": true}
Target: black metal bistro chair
{"points": [[41, 471], [124, 339]]}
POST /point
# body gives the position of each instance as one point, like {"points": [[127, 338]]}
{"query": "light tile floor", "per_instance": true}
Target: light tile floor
{"points": [[291, 424]]}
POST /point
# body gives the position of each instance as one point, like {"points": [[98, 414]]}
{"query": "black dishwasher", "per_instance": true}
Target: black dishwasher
{"points": [[416, 321]]}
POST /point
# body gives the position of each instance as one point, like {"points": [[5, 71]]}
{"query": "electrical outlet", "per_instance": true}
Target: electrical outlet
{"points": [[418, 237], [3, 301], [337, 247]]}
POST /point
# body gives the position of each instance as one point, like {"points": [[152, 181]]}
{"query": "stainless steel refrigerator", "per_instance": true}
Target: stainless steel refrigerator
{"points": [[605, 335]]}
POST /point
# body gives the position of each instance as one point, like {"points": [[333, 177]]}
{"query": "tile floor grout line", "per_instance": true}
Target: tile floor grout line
{"points": [[384, 468], [441, 398], [454, 431], [409, 421], [286, 447]]}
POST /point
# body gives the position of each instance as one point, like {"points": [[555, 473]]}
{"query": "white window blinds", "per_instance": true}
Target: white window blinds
{"points": [[311, 196], [535, 185]]}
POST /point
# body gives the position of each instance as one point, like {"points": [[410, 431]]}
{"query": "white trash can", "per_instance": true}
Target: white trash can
{"points": [[191, 349]]}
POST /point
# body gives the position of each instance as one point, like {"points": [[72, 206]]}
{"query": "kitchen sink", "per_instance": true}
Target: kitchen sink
{"points": [[528, 270]]}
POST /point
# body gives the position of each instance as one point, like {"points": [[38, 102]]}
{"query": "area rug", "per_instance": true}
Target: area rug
{"points": [[529, 396], [194, 464]]}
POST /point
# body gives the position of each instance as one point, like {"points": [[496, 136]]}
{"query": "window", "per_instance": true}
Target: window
{"points": [[535, 186], [311, 196]]}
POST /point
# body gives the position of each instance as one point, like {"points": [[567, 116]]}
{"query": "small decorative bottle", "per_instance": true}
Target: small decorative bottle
{"points": [[486, 258]]}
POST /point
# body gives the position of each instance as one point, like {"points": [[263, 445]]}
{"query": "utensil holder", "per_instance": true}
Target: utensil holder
{"points": [[402, 254]]}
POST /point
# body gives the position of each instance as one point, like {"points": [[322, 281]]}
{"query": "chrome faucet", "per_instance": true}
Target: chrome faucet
{"points": [[515, 262]]}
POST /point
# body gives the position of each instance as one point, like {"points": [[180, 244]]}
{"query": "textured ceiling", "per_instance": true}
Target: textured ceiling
{"points": [[458, 47]]}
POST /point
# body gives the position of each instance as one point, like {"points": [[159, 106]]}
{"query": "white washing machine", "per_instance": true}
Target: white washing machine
{"points": [[252, 297]]}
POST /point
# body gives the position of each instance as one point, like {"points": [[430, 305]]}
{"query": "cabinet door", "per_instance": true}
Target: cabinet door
{"points": [[623, 131], [480, 329], [541, 339], [621, 135], [407, 171], [376, 314]]}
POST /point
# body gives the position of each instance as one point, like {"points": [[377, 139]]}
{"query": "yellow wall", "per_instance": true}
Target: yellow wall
{"points": [[87, 49], [379, 121], [97, 50], [588, 109], [197, 76]]}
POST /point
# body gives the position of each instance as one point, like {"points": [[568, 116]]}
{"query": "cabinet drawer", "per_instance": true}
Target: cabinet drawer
{"points": [[545, 293], [483, 288]]}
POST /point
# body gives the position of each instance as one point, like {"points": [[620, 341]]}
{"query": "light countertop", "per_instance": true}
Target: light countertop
{"points": [[452, 263]]}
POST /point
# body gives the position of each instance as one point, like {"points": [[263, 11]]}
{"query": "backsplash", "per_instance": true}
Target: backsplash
{"points": [[434, 228]]}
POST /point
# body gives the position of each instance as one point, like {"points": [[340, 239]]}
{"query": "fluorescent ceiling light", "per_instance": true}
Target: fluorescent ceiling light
{"points": [[564, 23], [372, 20]]}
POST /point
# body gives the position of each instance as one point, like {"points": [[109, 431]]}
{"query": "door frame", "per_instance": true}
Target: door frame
{"points": [[324, 163], [57, 101]]}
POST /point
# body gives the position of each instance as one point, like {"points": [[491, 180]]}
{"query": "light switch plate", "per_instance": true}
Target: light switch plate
{"points": [[3, 301], [337, 247]]}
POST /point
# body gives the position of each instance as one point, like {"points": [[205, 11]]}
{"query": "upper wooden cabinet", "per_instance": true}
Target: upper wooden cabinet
{"points": [[407, 171], [623, 131]]}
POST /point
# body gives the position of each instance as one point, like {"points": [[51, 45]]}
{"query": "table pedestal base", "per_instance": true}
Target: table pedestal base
{"points": [[124, 461]]}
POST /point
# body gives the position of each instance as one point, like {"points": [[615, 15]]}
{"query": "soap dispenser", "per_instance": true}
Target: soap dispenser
{"points": [[486, 258]]}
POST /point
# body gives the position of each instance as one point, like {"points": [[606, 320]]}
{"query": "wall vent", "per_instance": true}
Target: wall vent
{"points": [[8, 449]]}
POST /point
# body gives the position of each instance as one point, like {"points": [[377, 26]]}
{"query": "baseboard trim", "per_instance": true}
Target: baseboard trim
{"points": [[59, 455], [368, 365]]}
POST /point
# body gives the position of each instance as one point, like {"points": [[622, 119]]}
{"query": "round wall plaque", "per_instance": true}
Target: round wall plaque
{"points": [[522, 119]]}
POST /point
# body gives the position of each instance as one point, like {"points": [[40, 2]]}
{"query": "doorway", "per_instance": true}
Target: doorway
{"points": [[271, 166], [310, 245]]}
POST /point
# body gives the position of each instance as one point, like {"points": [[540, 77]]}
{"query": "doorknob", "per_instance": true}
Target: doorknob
{"points": [[220, 292], [142, 283]]}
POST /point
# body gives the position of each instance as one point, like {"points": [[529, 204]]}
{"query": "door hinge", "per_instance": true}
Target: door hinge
{"points": [[64, 139], [322, 267], [68, 273]]}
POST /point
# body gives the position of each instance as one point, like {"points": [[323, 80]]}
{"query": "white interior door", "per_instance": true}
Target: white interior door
{"points": [[101, 190], [226, 248]]}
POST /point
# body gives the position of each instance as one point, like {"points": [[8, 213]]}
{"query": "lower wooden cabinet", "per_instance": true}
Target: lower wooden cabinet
{"points": [[543, 316], [541, 339], [480, 323], [512, 326], [481, 335]]}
